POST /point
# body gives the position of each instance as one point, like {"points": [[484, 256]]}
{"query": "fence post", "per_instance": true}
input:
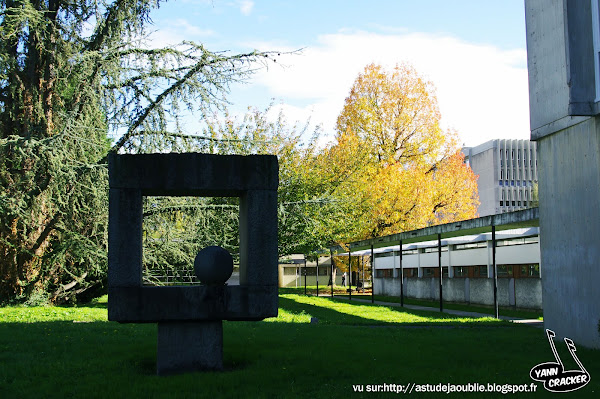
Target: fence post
{"points": [[495, 271], [317, 274], [304, 274], [440, 269], [401, 278], [349, 274], [331, 271], [372, 276]]}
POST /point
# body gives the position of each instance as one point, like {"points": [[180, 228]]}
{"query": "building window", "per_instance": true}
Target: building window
{"points": [[530, 271], [505, 270], [470, 245], [385, 273], [461, 271], [414, 272], [481, 271], [434, 249], [429, 271], [518, 241]]}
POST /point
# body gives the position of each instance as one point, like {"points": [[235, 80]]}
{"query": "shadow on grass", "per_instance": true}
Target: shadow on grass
{"points": [[325, 315], [99, 359], [358, 314]]}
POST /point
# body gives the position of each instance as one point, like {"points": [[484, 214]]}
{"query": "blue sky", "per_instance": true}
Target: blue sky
{"points": [[473, 51]]}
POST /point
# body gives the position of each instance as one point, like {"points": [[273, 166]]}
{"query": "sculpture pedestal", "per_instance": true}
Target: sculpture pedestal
{"points": [[189, 346]]}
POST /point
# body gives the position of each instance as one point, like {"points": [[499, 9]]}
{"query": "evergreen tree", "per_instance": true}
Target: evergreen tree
{"points": [[72, 73]]}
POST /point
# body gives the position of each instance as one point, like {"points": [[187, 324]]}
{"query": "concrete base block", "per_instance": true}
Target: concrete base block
{"points": [[189, 346]]}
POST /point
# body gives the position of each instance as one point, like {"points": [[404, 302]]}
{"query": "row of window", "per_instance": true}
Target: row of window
{"points": [[308, 271], [504, 271], [518, 241], [518, 163], [519, 183], [517, 174], [518, 152], [465, 246], [514, 198], [514, 203]]}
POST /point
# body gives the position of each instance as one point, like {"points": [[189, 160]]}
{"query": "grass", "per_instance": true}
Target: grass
{"points": [[503, 310], [73, 352]]}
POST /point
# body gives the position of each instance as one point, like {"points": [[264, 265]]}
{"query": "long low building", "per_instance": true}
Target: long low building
{"points": [[467, 269]]}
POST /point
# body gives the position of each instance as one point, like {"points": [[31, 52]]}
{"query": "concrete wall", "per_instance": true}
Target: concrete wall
{"points": [[293, 281], [484, 166], [472, 257], [522, 293], [518, 254], [570, 231], [548, 72], [561, 86]]}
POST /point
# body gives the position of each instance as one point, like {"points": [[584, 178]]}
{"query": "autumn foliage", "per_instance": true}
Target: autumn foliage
{"points": [[391, 160]]}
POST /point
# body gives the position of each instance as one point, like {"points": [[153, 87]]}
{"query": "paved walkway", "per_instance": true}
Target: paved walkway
{"points": [[529, 322]]}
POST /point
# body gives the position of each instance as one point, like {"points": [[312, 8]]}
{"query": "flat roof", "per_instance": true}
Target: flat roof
{"points": [[504, 221]]}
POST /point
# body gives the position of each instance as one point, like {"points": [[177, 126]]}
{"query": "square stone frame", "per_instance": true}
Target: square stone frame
{"points": [[252, 178]]}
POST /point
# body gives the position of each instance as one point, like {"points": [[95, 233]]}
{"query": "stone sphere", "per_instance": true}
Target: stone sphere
{"points": [[213, 265]]}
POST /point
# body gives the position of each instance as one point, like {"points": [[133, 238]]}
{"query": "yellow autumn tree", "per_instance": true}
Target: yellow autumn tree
{"points": [[392, 162]]}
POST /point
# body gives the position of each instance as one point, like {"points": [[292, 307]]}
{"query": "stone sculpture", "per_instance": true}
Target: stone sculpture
{"points": [[190, 329]]}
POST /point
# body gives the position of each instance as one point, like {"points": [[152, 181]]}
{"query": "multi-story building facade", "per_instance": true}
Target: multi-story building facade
{"points": [[507, 172], [467, 269]]}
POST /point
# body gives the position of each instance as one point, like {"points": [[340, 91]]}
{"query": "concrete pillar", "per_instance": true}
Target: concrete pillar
{"points": [[569, 191], [450, 269], [189, 346]]}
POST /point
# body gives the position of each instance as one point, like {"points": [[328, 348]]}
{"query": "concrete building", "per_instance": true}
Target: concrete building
{"points": [[563, 48], [507, 171], [466, 260], [294, 271], [467, 269]]}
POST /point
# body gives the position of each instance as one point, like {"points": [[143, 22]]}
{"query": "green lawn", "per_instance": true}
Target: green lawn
{"points": [[341, 291], [73, 352]]}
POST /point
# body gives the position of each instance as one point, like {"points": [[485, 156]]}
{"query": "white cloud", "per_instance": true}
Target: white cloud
{"points": [[246, 6], [173, 32], [482, 90]]}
